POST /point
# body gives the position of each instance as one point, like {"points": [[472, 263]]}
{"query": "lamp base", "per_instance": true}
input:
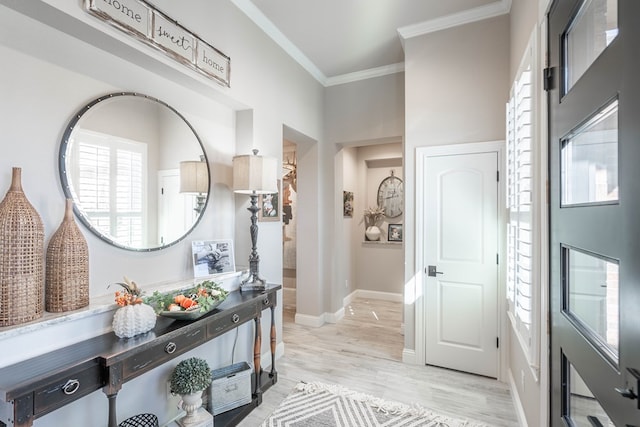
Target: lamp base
{"points": [[253, 283]]}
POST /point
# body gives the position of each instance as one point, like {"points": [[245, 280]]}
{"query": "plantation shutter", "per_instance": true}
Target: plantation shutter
{"points": [[519, 196]]}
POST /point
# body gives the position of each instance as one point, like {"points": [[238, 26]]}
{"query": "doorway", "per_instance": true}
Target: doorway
{"points": [[460, 235], [594, 101], [289, 228]]}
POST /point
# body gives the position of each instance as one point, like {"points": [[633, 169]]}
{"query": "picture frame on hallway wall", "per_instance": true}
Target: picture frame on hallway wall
{"points": [[269, 205], [347, 204], [395, 233]]}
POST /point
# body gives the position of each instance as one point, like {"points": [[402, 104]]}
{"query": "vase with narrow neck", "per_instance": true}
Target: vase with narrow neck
{"points": [[67, 276], [196, 415], [21, 257]]}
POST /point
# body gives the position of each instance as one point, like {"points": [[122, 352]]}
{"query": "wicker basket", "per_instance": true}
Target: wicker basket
{"points": [[21, 257], [67, 278]]}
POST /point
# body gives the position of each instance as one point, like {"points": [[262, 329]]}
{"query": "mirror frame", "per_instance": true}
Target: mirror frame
{"points": [[67, 188]]}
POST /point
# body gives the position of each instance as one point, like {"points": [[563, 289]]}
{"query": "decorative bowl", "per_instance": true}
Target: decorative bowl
{"points": [[191, 314], [188, 304]]}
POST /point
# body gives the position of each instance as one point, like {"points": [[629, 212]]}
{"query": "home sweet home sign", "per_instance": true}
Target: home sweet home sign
{"points": [[143, 21]]}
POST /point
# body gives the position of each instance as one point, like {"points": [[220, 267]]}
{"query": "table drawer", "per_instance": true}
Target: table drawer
{"points": [[71, 385], [162, 352], [232, 319]]}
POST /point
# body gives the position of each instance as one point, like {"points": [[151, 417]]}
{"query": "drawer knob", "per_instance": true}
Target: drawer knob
{"points": [[265, 301], [170, 347], [235, 318], [71, 387]]}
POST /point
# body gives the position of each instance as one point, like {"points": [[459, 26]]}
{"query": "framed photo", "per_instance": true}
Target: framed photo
{"points": [[347, 204], [269, 205], [212, 257], [395, 233]]}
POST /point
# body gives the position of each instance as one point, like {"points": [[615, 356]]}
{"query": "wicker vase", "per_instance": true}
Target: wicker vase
{"points": [[21, 257], [67, 277]]}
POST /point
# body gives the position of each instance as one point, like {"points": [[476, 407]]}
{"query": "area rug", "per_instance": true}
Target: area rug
{"points": [[325, 405]]}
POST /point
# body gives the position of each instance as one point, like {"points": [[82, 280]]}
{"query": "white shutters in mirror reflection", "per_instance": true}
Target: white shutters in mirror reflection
{"points": [[114, 202], [519, 198]]}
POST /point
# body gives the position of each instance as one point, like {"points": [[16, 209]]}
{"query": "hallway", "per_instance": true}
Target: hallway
{"points": [[363, 352]]}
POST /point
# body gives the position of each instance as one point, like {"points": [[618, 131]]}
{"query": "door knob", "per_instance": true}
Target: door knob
{"points": [[432, 271]]}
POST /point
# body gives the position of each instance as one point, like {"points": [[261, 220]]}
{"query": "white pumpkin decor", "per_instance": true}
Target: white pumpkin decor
{"points": [[133, 317]]}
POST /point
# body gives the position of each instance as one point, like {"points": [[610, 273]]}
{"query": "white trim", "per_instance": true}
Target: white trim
{"points": [[252, 11], [420, 320], [517, 402], [307, 320], [491, 10], [365, 74], [384, 296], [409, 357], [334, 317]]}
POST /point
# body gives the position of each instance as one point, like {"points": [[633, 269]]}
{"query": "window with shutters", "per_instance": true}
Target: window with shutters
{"points": [[522, 286], [111, 185]]}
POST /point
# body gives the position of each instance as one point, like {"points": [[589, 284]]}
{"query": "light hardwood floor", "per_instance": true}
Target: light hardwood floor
{"points": [[363, 352]]}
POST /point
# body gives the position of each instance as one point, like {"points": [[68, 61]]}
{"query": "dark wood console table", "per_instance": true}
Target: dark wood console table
{"points": [[40, 385]]}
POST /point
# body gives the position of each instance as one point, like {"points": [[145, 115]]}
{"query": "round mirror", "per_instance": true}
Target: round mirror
{"points": [[136, 171]]}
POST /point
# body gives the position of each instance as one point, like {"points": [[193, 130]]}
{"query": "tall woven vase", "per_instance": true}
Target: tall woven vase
{"points": [[67, 278], [21, 257]]}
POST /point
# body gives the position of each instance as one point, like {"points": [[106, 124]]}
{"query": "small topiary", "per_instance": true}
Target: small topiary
{"points": [[189, 376]]}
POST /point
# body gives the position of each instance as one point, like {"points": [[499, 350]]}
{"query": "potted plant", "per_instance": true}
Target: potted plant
{"points": [[188, 379], [372, 219]]}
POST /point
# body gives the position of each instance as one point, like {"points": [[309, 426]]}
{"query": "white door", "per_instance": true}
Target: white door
{"points": [[461, 265]]}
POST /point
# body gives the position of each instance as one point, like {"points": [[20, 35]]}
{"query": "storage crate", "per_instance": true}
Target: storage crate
{"points": [[230, 388]]}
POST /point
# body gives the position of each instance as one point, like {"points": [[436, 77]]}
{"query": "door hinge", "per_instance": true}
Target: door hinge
{"points": [[497, 342], [547, 78], [498, 176], [498, 259], [162, 191]]}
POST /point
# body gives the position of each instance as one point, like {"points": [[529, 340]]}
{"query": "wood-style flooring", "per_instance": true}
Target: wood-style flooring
{"points": [[363, 352]]}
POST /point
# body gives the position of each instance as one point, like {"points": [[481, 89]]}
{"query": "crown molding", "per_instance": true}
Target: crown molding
{"points": [[501, 7], [365, 74], [497, 8], [249, 9]]}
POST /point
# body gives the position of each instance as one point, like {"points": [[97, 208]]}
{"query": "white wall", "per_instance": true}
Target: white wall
{"points": [[456, 84], [56, 58]]}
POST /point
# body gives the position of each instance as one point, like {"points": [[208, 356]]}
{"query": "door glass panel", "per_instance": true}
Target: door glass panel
{"points": [[592, 298], [582, 404], [589, 160], [594, 27]]}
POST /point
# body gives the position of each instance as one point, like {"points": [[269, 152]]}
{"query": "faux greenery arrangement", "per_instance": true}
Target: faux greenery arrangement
{"points": [[201, 297], [190, 376]]}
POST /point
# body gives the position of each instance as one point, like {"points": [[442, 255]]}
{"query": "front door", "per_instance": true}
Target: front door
{"points": [[594, 107], [461, 250]]}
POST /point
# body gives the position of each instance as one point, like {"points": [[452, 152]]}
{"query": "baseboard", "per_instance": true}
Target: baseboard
{"points": [[517, 403], [334, 317], [306, 320], [409, 356], [385, 296]]}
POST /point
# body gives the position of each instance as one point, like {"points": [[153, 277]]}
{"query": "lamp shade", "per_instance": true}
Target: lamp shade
{"points": [[194, 177], [253, 174]]}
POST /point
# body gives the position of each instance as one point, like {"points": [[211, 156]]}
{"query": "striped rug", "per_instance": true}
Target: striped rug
{"points": [[325, 405]]}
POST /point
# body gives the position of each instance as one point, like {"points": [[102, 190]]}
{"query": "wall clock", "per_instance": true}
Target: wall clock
{"points": [[391, 196]]}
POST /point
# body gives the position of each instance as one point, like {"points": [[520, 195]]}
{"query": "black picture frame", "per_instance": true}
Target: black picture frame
{"points": [[395, 233]]}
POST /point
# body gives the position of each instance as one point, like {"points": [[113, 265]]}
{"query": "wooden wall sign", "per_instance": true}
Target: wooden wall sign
{"points": [[144, 22]]}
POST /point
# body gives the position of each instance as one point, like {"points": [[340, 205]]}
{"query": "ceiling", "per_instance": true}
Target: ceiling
{"points": [[339, 41]]}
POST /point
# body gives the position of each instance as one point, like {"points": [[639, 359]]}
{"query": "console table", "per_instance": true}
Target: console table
{"points": [[42, 384]]}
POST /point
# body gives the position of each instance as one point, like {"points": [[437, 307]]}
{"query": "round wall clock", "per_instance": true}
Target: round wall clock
{"points": [[390, 196]]}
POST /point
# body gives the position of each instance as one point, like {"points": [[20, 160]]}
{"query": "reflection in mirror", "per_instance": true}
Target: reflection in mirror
{"points": [[120, 162]]}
